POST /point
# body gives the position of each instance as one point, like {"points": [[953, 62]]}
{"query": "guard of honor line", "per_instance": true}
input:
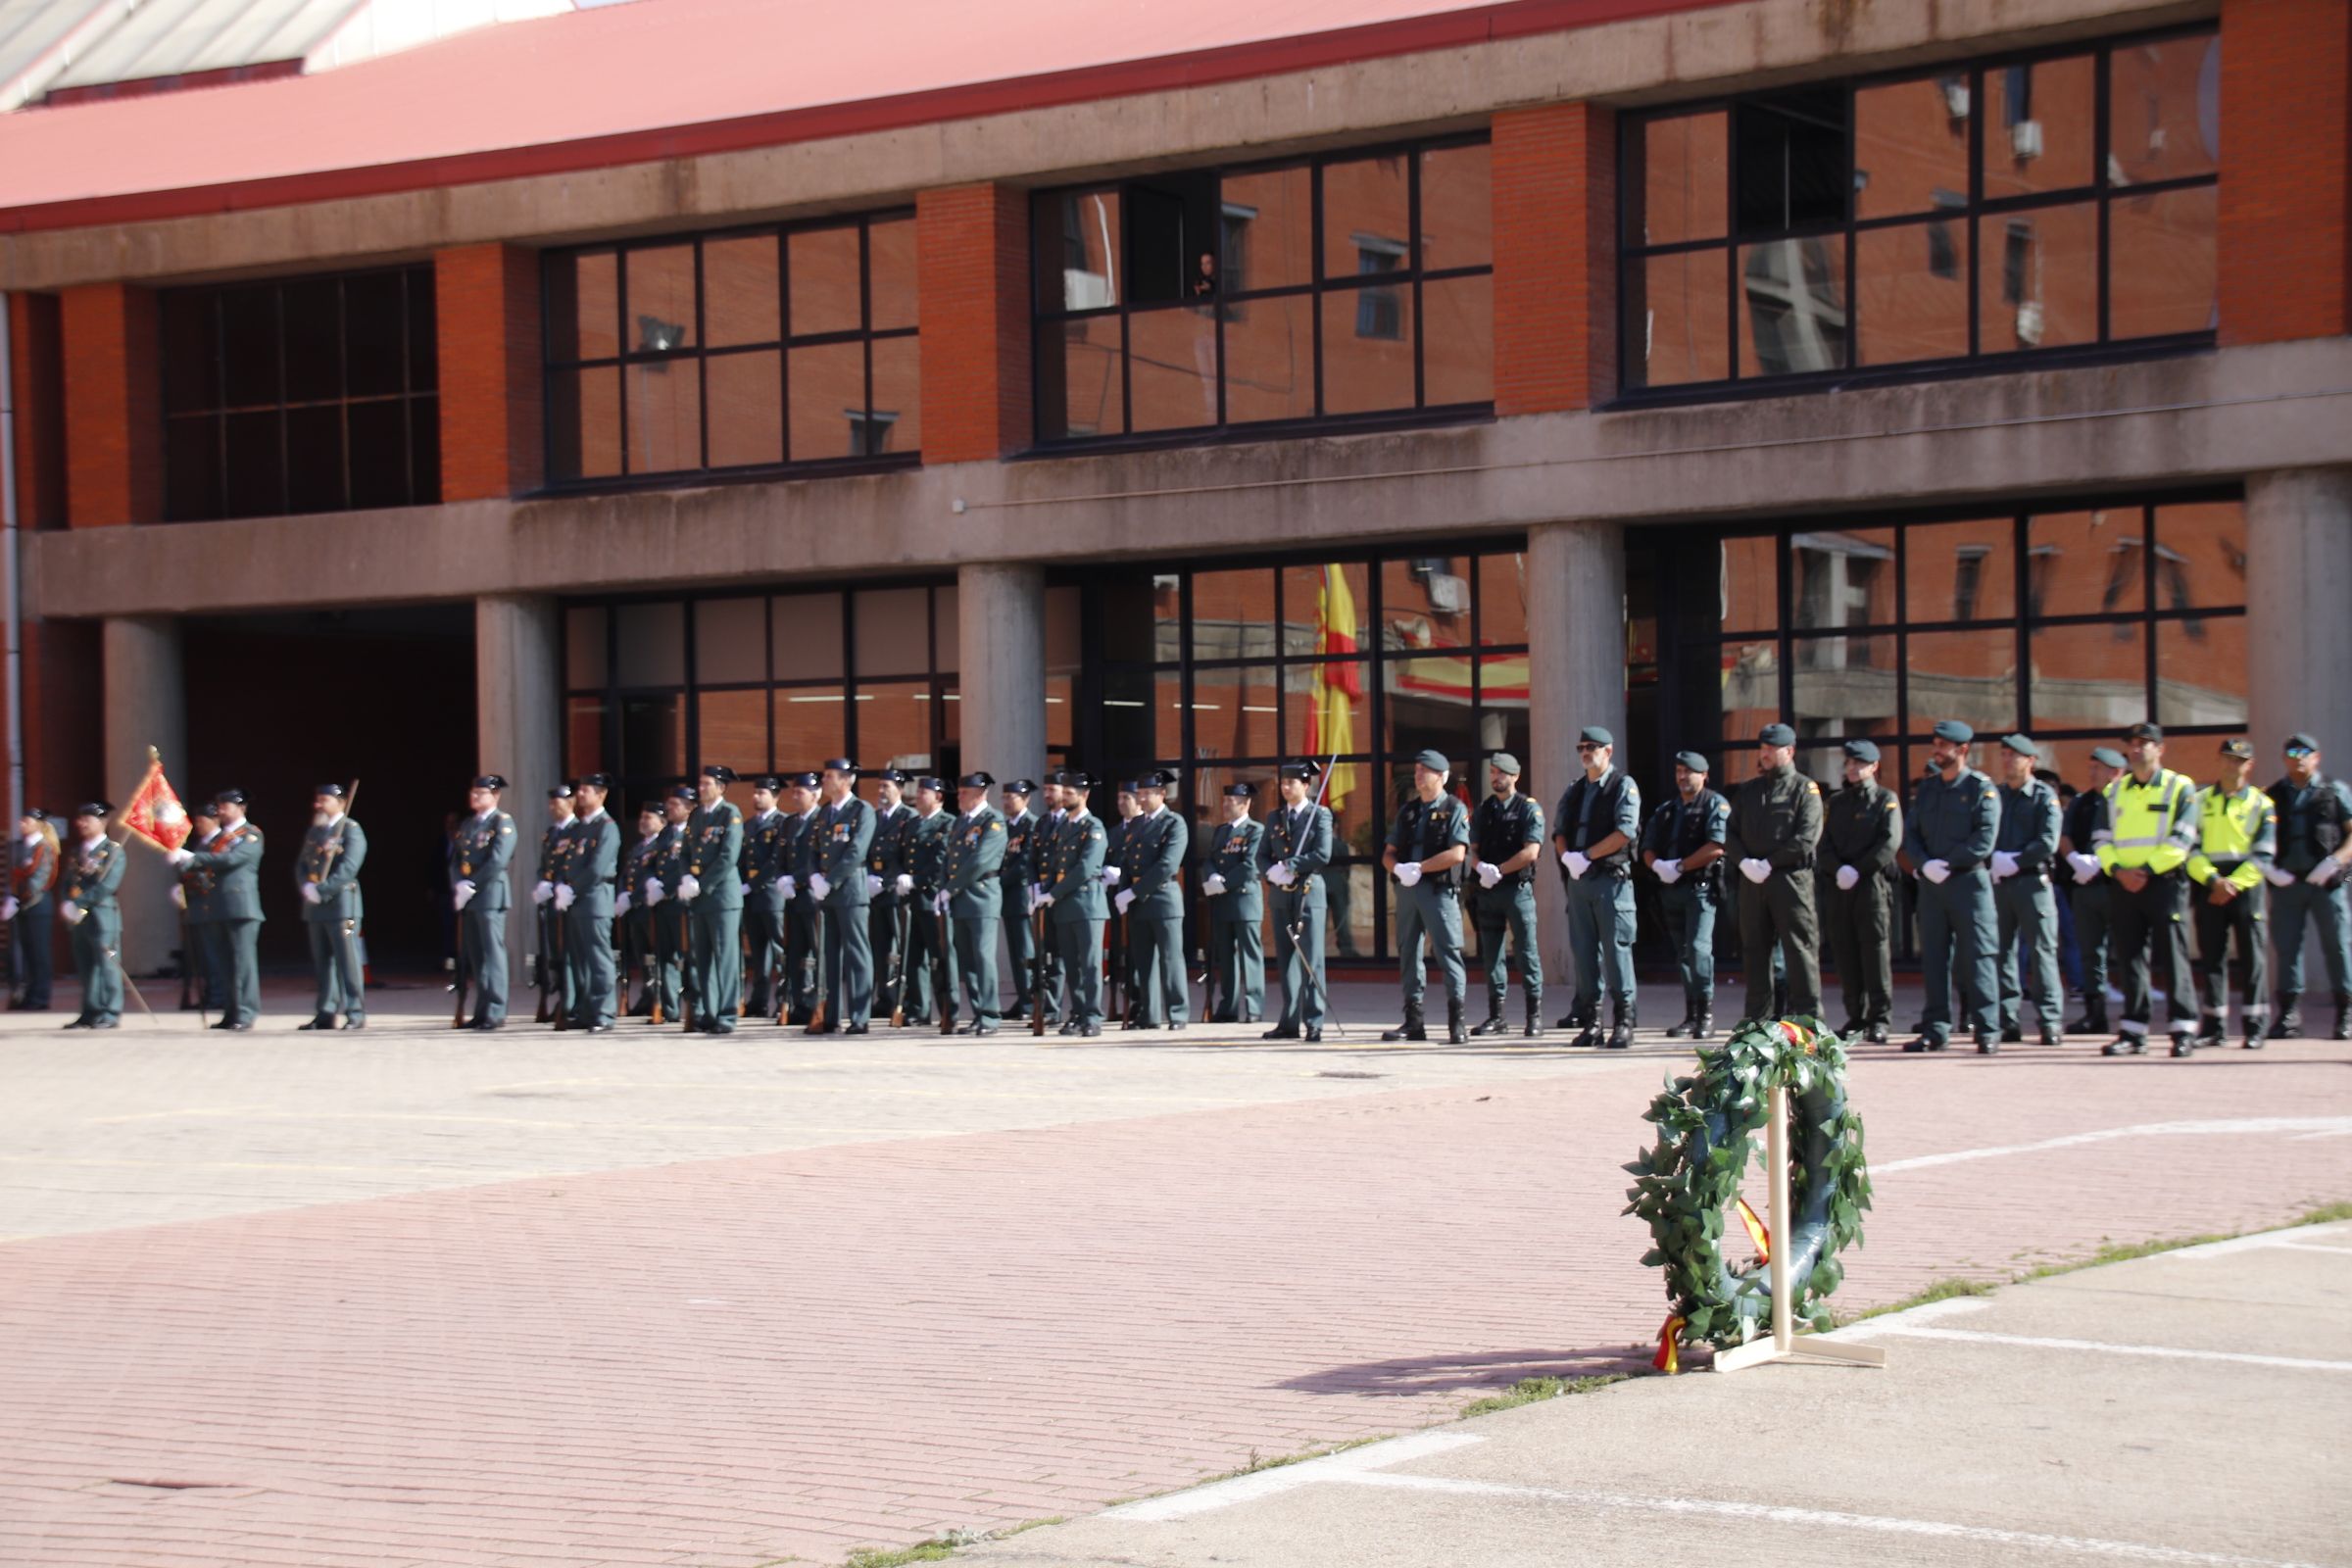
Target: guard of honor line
{"points": [[823, 910]]}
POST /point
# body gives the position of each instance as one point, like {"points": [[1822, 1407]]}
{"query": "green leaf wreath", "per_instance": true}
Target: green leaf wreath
{"points": [[1707, 1125]]}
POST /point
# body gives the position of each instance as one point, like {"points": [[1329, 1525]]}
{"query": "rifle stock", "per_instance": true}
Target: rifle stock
{"points": [[1036, 972], [817, 1014]]}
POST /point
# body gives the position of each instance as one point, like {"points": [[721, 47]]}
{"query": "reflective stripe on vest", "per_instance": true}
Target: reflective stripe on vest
{"points": [[2143, 818]]}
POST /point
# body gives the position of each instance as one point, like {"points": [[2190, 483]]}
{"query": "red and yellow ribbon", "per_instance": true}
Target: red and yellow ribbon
{"points": [[1667, 1360], [1756, 1232]]}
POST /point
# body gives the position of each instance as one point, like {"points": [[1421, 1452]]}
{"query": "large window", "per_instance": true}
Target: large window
{"points": [[1359, 284], [1223, 673], [309, 394], [2055, 202], [743, 350]]}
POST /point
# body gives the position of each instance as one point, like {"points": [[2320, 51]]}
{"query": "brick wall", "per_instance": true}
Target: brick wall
{"points": [[1555, 270], [972, 271], [113, 406], [36, 355], [2286, 170], [486, 304]]}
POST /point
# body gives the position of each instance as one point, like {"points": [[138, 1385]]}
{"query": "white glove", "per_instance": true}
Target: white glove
{"points": [[1214, 885], [939, 901], [1045, 900], [542, 892], [179, 900], [1110, 876], [566, 896], [2325, 872], [1755, 870], [1409, 873], [1037, 891], [1578, 864], [620, 905], [1281, 875], [654, 891], [820, 888], [74, 913], [873, 886], [904, 884], [1669, 871], [1489, 876], [747, 890], [1125, 900], [1848, 878], [179, 858], [690, 887], [2280, 878], [309, 893], [462, 894], [2087, 866], [8, 908], [1936, 871], [2004, 865], [790, 885]]}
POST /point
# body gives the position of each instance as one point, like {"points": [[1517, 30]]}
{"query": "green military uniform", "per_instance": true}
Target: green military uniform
{"points": [[234, 933], [714, 912], [1151, 892], [930, 951], [555, 867], [1117, 969], [2315, 820], [890, 915], [196, 895], [485, 845], [590, 874], [1691, 895], [1601, 893], [636, 919], [975, 863], [670, 917], [766, 862], [2081, 830], [1429, 908], [1955, 824], [843, 847], [1236, 911], [802, 961], [1291, 854], [328, 866], [2237, 844], [1776, 818], [90, 875], [1023, 836], [32, 875], [1501, 829], [1074, 882], [2025, 847], [1862, 829]]}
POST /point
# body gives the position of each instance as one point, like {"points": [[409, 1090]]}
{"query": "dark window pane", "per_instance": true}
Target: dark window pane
{"points": [[314, 460], [1429, 705], [825, 283], [2087, 563], [1792, 306], [254, 485], [1959, 572], [650, 642], [892, 632], [1367, 349], [192, 466], [1457, 207], [652, 736], [424, 342], [2038, 127], [1677, 327], [250, 344], [807, 640], [313, 313], [661, 281], [377, 331], [2163, 110], [1269, 229], [1678, 194], [666, 417], [424, 450], [827, 390], [890, 277], [1171, 225], [1364, 209], [584, 735], [2201, 671], [1907, 303], [583, 307], [191, 366], [1967, 675], [584, 648], [1270, 359], [2161, 268], [1791, 159], [742, 291], [2090, 677], [1910, 145], [897, 426], [1843, 577], [1172, 367], [380, 456], [1077, 237], [1751, 695], [584, 421], [2038, 279], [747, 408], [1080, 382], [1457, 341]]}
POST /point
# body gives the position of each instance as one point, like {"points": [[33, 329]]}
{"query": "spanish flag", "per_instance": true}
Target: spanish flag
{"points": [[1336, 687]]}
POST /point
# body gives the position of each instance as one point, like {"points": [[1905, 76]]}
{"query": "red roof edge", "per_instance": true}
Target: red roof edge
{"points": [[1510, 18]]}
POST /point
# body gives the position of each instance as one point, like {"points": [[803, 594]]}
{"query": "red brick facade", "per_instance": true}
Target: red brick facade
{"points": [[972, 244], [2286, 170], [486, 304], [113, 406], [1555, 202]]}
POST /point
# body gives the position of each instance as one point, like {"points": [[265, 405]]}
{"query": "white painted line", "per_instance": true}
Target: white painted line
{"points": [[2102, 1347], [2239, 1126], [2262, 1240], [1816, 1518], [2306, 1246], [1926, 1312], [1285, 1478]]}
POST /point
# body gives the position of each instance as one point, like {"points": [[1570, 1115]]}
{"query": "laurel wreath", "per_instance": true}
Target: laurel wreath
{"points": [[1707, 1125]]}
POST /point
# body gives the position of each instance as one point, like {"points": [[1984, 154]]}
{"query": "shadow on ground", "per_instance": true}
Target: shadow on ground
{"points": [[1485, 1372]]}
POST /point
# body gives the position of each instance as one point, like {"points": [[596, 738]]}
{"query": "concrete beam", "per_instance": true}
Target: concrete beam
{"points": [[145, 705], [1001, 612], [2299, 635], [518, 684], [1576, 658]]}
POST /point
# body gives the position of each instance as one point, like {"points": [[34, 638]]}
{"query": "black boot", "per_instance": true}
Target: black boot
{"points": [[2289, 1022], [1535, 1017], [1589, 1037], [1702, 1026], [1454, 1035], [1411, 1028], [1690, 1024], [2343, 1017], [1780, 998], [1621, 1035], [1576, 1018], [1494, 1025]]}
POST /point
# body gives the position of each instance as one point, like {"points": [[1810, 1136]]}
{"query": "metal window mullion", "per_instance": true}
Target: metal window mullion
{"points": [[2021, 558], [620, 347], [1976, 205], [285, 478], [702, 378], [2147, 604], [1731, 241], [1314, 274], [1412, 259], [1853, 206], [2101, 89]]}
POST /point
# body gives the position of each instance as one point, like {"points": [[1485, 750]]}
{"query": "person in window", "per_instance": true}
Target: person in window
{"points": [[1204, 281]]}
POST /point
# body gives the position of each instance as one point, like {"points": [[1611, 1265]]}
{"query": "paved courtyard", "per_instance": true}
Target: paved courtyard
{"points": [[412, 1297]]}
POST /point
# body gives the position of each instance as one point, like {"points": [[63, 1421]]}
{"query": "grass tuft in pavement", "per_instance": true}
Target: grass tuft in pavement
{"points": [[1534, 1391], [1276, 1461], [939, 1549]]}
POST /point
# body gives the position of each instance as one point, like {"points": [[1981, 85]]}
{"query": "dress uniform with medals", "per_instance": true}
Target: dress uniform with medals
{"points": [[2080, 832], [715, 901], [1237, 955], [639, 862], [1775, 832], [1603, 808], [86, 885], [484, 848], [2153, 814], [1291, 854], [1151, 895], [234, 933], [765, 865], [2315, 846], [889, 888], [670, 917], [930, 955], [1861, 830], [802, 961], [973, 901], [1684, 846], [839, 880], [1023, 840], [584, 901], [193, 894], [1076, 908], [1947, 840], [2025, 846], [326, 876], [1506, 826], [555, 860], [32, 874], [1431, 825], [2238, 830]]}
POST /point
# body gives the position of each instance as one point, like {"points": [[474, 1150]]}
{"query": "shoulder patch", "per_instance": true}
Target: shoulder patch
{"points": [[996, 827], [1812, 787]]}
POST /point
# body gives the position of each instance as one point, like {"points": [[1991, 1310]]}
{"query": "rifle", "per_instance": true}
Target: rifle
{"points": [[688, 995], [944, 972], [1122, 1002], [545, 964], [817, 1014], [456, 1017], [1036, 972], [1297, 932], [902, 930]]}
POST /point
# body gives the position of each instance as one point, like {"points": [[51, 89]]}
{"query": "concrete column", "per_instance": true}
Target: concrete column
{"points": [[518, 695], [1002, 638], [145, 704], [1575, 676]]}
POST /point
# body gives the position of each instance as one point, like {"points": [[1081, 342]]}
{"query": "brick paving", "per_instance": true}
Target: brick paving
{"points": [[732, 1361]]}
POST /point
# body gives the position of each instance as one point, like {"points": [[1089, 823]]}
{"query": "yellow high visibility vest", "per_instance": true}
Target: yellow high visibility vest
{"points": [[2144, 818], [2232, 831]]}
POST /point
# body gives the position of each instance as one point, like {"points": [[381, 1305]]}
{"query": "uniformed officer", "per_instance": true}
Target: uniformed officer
{"points": [[839, 883], [1862, 828], [713, 899], [1947, 844], [2237, 829], [2024, 844], [1151, 898], [1428, 845], [1291, 854], [2153, 813], [931, 954], [1507, 832], [31, 874], [1594, 828], [639, 862], [234, 860], [1684, 846], [1075, 905], [193, 895], [1047, 836], [2315, 845], [762, 869], [889, 884], [86, 887], [970, 897], [326, 876], [554, 850], [1118, 965], [2080, 832], [803, 961], [483, 849], [1014, 878], [1236, 954], [1775, 832], [584, 903], [670, 916]]}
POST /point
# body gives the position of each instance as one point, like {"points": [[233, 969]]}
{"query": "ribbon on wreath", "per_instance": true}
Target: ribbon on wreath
{"points": [[1668, 1361]]}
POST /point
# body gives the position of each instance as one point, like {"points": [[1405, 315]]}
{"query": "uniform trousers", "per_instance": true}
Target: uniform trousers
{"points": [[976, 965], [716, 956], [2218, 924], [1690, 906], [97, 943], [2325, 908], [848, 936], [2091, 902], [1158, 991], [1237, 967], [1298, 917], [588, 950], [763, 952], [1958, 931], [2027, 911], [1779, 911], [1601, 938], [1078, 946], [337, 970], [29, 937], [1508, 910], [1861, 925], [2151, 930], [235, 946], [1430, 911]]}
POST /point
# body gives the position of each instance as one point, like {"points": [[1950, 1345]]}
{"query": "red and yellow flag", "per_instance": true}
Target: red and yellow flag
{"points": [[155, 812], [1669, 1359], [1336, 687]]}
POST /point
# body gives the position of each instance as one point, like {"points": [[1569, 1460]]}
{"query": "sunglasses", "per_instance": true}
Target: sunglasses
{"points": [[2300, 751]]}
